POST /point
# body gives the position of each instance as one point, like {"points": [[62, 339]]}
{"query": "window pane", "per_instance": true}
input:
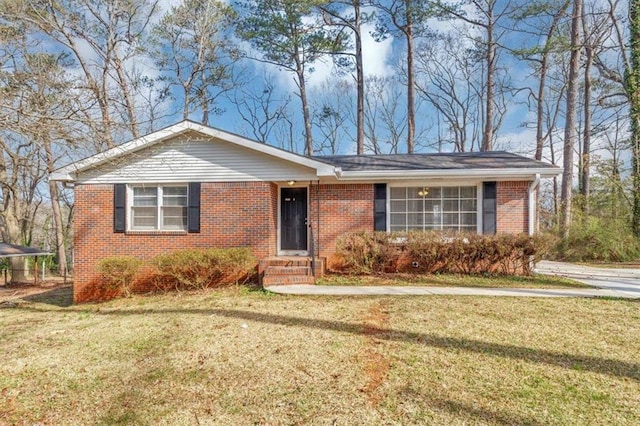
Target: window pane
{"points": [[398, 206], [415, 206], [450, 219], [174, 196], [431, 219], [450, 192], [398, 219], [431, 206], [468, 205], [174, 218], [144, 218], [413, 192], [434, 193], [448, 208], [468, 192], [469, 219], [398, 193], [145, 196], [414, 219], [450, 205]]}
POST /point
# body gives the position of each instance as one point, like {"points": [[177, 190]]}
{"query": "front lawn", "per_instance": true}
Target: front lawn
{"points": [[452, 280], [248, 357]]}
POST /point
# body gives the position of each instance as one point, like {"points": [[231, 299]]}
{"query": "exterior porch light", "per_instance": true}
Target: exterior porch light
{"points": [[291, 182]]}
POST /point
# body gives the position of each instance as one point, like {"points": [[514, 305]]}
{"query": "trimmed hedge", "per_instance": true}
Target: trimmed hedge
{"points": [[118, 272], [187, 269], [434, 252], [202, 268]]}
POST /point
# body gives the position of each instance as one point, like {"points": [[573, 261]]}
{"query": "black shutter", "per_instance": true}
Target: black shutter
{"points": [[193, 208], [380, 207], [119, 207], [489, 193]]}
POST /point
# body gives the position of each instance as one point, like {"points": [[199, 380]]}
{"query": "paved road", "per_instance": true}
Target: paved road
{"points": [[623, 283]]}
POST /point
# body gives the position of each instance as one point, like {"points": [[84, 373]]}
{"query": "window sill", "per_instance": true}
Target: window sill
{"points": [[155, 232]]}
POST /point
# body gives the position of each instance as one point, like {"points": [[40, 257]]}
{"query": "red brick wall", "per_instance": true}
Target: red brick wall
{"points": [[343, 208], [223, 224], [512, 207]]}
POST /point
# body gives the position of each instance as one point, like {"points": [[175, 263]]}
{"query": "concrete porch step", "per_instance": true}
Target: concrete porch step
{"points": [[269, 280], [287, 270], [292, 261]]}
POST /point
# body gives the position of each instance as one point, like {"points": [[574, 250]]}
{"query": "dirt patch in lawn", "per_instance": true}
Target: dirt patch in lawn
{"points": [[376, 365], [52, 292]]}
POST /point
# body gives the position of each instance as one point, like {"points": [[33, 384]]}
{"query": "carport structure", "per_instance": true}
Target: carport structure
{"points": [[13, 250]]}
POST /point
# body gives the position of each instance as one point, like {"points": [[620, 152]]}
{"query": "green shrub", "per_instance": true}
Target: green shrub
{"points": [[600, 241], [118, 272], [368, 252], [435, 252], [201, 268]]}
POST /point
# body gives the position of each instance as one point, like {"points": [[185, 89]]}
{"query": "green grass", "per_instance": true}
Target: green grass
{"points": [[247, 357], [450, 280]]}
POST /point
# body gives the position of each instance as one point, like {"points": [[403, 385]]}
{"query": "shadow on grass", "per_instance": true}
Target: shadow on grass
{"points": [[569, 361], [478, 414], [62, 297]]}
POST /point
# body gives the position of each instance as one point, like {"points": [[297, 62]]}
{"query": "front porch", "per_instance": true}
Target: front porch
{"points": [[284, 270]]}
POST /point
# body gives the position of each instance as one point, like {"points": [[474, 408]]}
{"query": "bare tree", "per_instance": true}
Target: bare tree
{"points": [[333, 114], [486, 17], [193, 47], [104, 39], [405, 18], [334, 16], [570, 133], [263, 109], [450, 84], [290, 35]]}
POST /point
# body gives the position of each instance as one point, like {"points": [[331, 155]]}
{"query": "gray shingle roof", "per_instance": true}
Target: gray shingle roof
{"points": [[438, 161]]}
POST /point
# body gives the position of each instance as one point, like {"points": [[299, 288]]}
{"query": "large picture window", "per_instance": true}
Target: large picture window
{"points": [[159, 208], [445, 208]]}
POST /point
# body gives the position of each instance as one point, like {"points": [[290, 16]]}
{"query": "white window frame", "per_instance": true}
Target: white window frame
{"points": [[160, 198], [413, 184]]}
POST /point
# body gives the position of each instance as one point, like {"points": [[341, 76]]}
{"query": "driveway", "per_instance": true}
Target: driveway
{"points": [[619, 280]]}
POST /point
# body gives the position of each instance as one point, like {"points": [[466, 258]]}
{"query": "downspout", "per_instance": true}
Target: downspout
{"points": [[318, 216], [532, 204]]}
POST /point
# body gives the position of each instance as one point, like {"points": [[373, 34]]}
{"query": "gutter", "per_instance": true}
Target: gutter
{"points": [[532, 205], [521, 173]]}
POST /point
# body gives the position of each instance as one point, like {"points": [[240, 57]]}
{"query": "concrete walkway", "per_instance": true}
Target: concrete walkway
{"points": [[620, 283]]}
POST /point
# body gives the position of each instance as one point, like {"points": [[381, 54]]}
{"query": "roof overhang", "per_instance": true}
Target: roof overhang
{"points": [[13, 250], [486, 174], [70, 172]]}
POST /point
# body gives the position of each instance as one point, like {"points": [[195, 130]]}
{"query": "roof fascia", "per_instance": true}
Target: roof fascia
{"points": [[448, 173]]}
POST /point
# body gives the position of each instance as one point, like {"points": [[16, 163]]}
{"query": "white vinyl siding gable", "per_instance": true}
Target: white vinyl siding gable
{"points": [[184, 160]]}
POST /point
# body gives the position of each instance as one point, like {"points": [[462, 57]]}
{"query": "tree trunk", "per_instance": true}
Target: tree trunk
{"points": [[308, 149], [57, 223], [487, 134], [570, 133], [585, 161], [633, 91], [359, 79], [411, 115]]}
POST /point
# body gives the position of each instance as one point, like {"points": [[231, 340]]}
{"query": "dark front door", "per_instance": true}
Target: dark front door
{"points": [[293, 218]]}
